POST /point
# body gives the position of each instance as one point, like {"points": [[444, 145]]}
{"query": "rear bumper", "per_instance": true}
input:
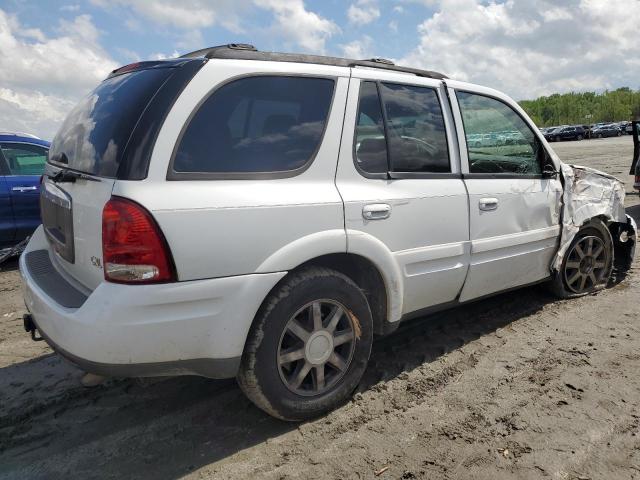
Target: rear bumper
{"points": [[184, 328]]}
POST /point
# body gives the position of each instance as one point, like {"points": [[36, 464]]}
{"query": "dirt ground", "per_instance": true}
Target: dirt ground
{"points": [[517, 386]]}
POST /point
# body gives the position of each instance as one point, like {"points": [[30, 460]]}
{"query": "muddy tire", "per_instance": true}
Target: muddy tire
{"points": [[308, 346], [587, 264]]}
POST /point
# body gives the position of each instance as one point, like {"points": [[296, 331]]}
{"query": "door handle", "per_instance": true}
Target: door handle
{"points": [[24, 189], [488, 204], [376, 211]]}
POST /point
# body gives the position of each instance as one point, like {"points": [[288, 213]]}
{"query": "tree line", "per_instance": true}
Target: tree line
{"points": [[584, 108]]}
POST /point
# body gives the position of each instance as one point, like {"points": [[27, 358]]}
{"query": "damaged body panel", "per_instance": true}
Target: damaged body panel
{"points": [[589, 194]]}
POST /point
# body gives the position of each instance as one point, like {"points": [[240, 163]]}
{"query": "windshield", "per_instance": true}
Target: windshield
{"points": [[95, 133]]}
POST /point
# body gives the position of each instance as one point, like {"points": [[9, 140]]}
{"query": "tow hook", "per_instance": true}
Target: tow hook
{"points": [[30, 326]]}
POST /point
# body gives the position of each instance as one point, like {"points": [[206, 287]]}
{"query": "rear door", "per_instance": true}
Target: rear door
{"points": [[26, 165], [514, 209], [399, 177]]}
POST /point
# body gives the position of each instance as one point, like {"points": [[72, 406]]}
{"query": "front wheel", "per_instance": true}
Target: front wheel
{"points": [[587, 264], [309, 345]]}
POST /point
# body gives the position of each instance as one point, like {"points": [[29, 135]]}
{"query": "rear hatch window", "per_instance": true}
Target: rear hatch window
{"points": [[94, 135]]}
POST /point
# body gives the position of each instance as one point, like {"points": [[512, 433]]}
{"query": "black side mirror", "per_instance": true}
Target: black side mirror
{"points": [[549, 171]]}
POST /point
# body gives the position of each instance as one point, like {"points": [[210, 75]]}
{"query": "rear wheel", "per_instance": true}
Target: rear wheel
{"points": [[580, 137], [587, 264], [308, 347]]}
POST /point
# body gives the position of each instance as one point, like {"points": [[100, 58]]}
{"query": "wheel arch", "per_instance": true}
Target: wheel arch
{"points": [[363, 258]]}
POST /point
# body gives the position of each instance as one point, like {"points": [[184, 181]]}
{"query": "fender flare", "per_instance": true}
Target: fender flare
{"points": [[354, 242], [371, 248]]}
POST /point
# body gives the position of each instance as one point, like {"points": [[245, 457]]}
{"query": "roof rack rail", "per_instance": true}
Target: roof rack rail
{"points": [[243, 51]]}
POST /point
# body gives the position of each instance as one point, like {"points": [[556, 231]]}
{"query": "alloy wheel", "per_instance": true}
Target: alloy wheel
{"points": [[586, 264], [316, 347]]}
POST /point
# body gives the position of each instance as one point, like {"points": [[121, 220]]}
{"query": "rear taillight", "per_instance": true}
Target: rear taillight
{"points": [[133, 247]]}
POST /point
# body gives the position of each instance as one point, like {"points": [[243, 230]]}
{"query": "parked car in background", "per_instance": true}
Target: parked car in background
{"points": [[568, 133], [587, 131], [605, 131], [549, 133], [22, 161]]}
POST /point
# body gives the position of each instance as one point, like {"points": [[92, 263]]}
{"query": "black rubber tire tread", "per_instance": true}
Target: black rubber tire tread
{"points": [[256, 376], [594, 226]]}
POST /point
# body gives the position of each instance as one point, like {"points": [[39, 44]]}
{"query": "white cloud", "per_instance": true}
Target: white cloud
{"points": [[70, 8], [358, 49], [299, 26], [363, 12], [186, 14], [43, 77], [531, 48], [291, 21]]}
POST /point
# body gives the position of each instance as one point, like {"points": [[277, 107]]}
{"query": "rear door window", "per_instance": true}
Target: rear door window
{"points": [[415, 128], [24, 158], [400, 128], [256, 125]]}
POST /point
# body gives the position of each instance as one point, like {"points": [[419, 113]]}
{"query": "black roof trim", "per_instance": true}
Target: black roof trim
{"points": [[241, 51]]}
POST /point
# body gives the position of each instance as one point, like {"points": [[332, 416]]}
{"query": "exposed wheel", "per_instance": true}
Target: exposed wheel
{"points": [[308, 347], [619, 134], [599, 135], [580, 137], [587, 264]]}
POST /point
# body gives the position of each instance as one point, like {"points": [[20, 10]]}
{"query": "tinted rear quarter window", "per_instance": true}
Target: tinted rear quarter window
{"points": [[256, 125], [93, 136]]}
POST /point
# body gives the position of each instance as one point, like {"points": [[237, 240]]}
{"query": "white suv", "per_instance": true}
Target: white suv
{"points": [[263, 216]]}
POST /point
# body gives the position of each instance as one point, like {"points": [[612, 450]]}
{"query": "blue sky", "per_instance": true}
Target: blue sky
{"points": [[127, 34], [54, 52]]}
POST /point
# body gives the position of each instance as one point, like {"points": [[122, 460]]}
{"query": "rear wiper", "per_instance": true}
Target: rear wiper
{"points": [[71, 176]]}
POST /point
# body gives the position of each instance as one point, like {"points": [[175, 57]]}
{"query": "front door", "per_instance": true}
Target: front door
{"points": [[514, 208], [399, 177]]}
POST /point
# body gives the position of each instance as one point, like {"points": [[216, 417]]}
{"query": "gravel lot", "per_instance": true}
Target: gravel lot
{"points": [[520, 385]]}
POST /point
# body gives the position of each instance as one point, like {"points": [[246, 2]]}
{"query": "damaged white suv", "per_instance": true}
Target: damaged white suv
{"points": [[263, 216]]}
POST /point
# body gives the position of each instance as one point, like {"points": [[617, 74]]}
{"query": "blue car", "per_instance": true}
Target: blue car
{"points": [[22, 161]]}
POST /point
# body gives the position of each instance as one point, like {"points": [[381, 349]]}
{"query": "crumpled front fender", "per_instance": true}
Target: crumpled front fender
{"points": [[588, 194]]}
